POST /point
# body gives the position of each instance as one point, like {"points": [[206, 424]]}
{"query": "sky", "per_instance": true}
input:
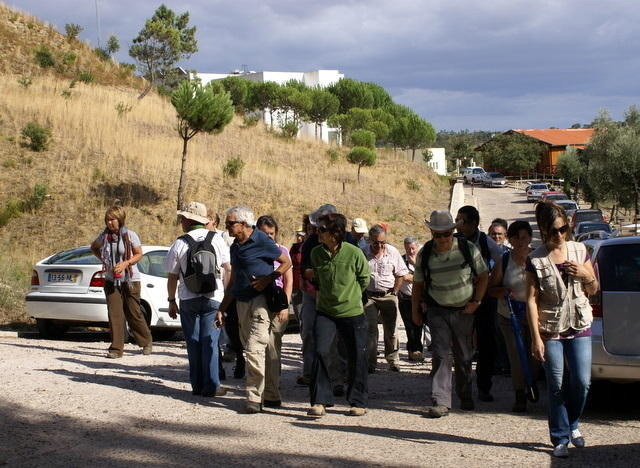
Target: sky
{"points": [[491, 65]]}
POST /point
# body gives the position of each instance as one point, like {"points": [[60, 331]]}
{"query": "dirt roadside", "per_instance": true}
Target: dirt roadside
{"points": [[63, 404]]}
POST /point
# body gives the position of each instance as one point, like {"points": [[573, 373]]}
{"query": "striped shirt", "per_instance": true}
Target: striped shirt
{"points": [[450, 285]]}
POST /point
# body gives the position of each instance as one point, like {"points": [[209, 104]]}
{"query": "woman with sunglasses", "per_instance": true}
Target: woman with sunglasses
{"points": [[559, 279]]}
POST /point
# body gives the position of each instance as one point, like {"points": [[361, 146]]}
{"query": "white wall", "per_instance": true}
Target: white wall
{"points": [[438, 161]]}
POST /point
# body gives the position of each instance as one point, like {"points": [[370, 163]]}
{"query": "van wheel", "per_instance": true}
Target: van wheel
{"points": [[51, 329]]}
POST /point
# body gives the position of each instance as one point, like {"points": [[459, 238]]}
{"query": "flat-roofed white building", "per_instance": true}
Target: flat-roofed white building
{"points": [[438, 161], [321, 78]]}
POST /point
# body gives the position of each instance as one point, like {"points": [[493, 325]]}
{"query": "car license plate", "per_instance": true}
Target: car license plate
{"points": [[63, 277]]}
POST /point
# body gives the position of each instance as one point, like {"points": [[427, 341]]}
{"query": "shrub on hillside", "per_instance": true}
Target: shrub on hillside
{"points": [[34, 200], [289, 130], [36, 137], [69, 58], [363, 138], [44, 57], [122, 108], [25, 81], [72, 31], [334, 155], [102, 53], [250, 120], [362, 157], [11, 209], [233, 167], [413, 184], [85, 77]]}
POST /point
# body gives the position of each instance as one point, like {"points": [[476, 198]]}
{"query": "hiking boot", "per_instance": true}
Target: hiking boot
{"points": [[436, 411], [577, 440], [252, 407], [316, 411], [355, 411], [304, 380], [485, 396], [113, 354], [272, 403], [146, 350], [520, 405]]}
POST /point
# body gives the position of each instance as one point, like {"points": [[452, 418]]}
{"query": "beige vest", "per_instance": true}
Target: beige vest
{"points": [[560, 307]]}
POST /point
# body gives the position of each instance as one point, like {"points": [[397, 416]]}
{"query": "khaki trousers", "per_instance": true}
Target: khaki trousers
{"points": [[123, 303], [256, 324], [387, 307]]}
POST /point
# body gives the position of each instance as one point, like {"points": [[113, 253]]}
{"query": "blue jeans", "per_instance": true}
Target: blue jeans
{"points": [[566, 404], [197, 317]]}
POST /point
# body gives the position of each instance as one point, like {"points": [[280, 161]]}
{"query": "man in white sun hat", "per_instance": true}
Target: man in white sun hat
{"points": [[451, 277], [359, 231]]}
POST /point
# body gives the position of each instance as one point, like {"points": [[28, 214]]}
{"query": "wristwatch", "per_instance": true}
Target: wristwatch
{"points": [[171, 299]]}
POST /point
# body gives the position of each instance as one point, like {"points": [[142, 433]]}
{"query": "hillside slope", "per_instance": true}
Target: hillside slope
{"points": [[99, 154]]}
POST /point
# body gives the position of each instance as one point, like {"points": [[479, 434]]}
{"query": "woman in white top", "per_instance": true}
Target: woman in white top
{"points": [[509, 278]]}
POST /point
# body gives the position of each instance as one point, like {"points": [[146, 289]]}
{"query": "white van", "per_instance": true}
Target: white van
{"points": [[473, 175]]}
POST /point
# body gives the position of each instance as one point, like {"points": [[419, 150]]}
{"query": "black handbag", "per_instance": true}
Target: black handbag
{"points": [[276, 298]]}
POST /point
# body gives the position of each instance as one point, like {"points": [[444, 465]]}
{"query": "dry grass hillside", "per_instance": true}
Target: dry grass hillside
{"points": [[98, 155]]}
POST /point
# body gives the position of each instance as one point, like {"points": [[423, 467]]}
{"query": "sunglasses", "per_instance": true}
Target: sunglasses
{"points": [[323, 229], [442, 235], [229, 224], [561, 230]]}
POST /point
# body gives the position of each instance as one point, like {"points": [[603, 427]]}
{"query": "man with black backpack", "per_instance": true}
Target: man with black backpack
{"points": [[198, 265], [451, 278], [467, 223]]}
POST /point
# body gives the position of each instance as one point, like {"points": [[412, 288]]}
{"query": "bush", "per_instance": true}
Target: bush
{"points": [[122, 108], [102, 53], [34, 200], [44, 57], [413, 184], [85, 77], [72, 31], [66, 93], [334, 155], [69, 58], [11, 209], [250, 120], [36, 136], [25, 81], [363, 138], [289, 130], [233, 167]]}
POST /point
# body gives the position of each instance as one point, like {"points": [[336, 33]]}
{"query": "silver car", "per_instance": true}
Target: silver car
{"points": [[535, 191], [616, 324], [569, 206], [494, 179]]}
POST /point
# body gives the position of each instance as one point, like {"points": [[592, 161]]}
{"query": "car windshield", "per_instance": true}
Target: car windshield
{"points": [[539, 187], [588, 227], [588, 216], [77, 256], [496, 175], [619, 267], [568, 205], [556, 196], [478, 171]]}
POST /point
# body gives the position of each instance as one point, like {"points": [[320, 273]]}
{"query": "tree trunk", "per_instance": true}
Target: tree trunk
{"points": [[359, 167], [316, 130], [413, 154], [145, 91], [320, 126], [183, 172]]}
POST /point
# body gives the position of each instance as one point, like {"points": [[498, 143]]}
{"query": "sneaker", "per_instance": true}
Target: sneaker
{"points": [[303, 380], [467, 404], [576, 439], [485, 396], [561, 451], [272, 403], [355, 411], [113, 354], [146, 350], [437, 411], [338, 390], [220, 391], [316, 411], [252, 407]]}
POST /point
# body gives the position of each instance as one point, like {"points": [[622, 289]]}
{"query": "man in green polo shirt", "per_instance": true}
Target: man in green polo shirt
{"points": [[452, 285], [342, 273]]}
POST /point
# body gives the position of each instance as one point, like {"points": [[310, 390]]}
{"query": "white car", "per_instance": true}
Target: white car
{"points": [[473, 175], [67, 290], [535, 191], [615, 336]]}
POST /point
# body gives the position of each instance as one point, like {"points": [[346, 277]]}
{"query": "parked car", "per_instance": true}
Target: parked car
{"points": [[552, 195], [589, 226], [67, 290], [473, 175], [535, 191], [569, 206], [494, 179], [586, 215], [595, 235], [615, 337]]}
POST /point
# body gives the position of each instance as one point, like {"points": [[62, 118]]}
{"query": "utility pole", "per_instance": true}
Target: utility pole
{"points": [[98, 22]]}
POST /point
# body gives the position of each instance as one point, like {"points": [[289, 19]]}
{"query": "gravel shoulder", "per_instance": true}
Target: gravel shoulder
{"points": [[63, 404]]}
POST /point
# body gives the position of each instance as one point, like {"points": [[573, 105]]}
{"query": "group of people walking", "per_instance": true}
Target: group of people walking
{"points": [[454, 295]]}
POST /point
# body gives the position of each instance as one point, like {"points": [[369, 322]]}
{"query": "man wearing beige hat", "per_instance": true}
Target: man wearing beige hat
{"points": [[451, 278], [200, 295], [359, 231]]}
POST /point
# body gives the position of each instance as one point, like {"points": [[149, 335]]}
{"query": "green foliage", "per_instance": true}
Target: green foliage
{"points": [[289, 129], [263, 96], [69, 58], [362, 157], [85, 77], [334, 155], [9, 163], [572, 170], [66, 93], [36, 137], [233, 167], [102, 54], [250, 120], [122, 109], [380, 96], [164, 40], [44, 57], [323, 105], [25, 81], [363, 138], [72, 31], [11, 209], [238, 90], [427, 156], [34, 200], [412, 132], [512, 152], [113, 45], [351, 93], [413, 184]]}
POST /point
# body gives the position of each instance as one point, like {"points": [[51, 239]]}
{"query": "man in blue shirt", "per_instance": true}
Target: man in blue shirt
{"points": [[252, 257]]}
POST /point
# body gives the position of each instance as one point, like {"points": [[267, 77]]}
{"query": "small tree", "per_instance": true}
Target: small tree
{"points": [[572, 170], [199, 109], [72, 31], [363, 138], [113, 45], [36, 137], [323, 105], [264, 96], [512, 152], [362, 157]]}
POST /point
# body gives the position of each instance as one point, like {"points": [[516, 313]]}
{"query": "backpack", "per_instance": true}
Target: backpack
{"points": [[463, 245], [202, 265], [484, 246]]}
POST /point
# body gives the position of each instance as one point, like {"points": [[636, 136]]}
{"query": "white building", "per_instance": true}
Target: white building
{"points": [[438, 161], [312, 79]]}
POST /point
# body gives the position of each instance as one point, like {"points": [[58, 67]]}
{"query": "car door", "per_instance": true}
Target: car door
{"points": [[619, 270], [153, 287]]}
